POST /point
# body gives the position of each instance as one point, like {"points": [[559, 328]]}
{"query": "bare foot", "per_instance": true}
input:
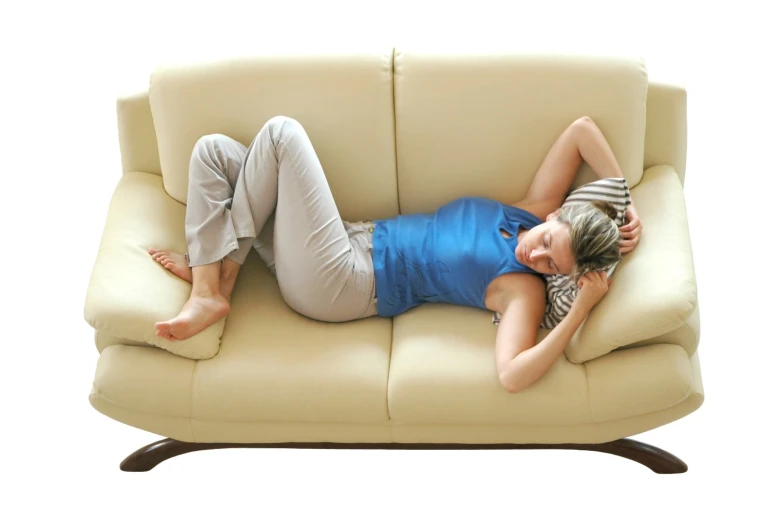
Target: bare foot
{"points": [[174, 262], [197, 314]]}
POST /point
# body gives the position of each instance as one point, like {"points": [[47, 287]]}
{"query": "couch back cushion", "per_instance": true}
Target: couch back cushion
{"points": [[344, 101], [481, 125]]}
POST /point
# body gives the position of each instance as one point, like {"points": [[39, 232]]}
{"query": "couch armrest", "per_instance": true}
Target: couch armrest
{"points": [[654, 289], [665, 127], [128, 291], [136, 132]]}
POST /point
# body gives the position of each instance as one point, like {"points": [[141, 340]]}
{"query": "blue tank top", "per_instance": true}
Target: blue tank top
{"points": [[450, 256]]}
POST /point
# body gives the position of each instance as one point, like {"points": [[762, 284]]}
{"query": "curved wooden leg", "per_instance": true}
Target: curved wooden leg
{"points": [[150, 455], [656, 459]]}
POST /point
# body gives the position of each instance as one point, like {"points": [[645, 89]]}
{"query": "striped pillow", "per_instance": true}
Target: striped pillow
{"points": [[560, 291]]}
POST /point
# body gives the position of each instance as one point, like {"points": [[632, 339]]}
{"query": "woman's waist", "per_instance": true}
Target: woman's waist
{"points": [[360, 235]]}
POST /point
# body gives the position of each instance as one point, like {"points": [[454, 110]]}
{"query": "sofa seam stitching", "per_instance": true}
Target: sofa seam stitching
{"points": [[191, 419], [190, 416], [104, 326], [690, 390], [394, 128], [389, 363], [625, 339], [588, 392]]}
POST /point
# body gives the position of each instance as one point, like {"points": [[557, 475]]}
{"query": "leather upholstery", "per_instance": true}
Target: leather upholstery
{"points": [[136, 132], [128, 291], [453, 125], [654, 287], [344, 103], [482, 125], [665, 127]]}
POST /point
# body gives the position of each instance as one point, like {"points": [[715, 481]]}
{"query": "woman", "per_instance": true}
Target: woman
{"points": [[472, 251]]}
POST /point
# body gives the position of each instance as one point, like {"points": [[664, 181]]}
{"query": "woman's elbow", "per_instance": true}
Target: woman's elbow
{"points": [[584, 121], [512, 389], [511, 383]]}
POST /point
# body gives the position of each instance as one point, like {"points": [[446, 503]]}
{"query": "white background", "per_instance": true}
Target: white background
{"points": [[63, 65]]}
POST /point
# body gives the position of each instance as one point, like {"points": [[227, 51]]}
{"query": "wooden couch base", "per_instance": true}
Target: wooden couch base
{"points": [[656, 459]]}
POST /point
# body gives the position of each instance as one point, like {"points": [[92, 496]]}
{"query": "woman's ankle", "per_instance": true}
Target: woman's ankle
{"points": [[229, 268], [206, 280], [208, 292]]}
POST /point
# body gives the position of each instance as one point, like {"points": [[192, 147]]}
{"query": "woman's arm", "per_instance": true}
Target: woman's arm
{"points": [[532, 363], [582, 140], [520, 360]]}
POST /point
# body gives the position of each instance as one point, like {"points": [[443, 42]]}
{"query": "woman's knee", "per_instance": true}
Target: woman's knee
{"points": [[282, 128], [281, 121], [210, 145]]}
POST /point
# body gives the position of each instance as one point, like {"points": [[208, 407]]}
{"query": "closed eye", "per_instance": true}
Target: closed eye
{"points": [[550, 263]]}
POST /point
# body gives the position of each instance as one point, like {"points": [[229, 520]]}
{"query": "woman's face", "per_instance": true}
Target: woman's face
{"points": [[546, 248]]}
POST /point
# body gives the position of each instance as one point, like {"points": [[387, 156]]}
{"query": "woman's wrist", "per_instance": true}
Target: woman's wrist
{"points": [[579, 309]]}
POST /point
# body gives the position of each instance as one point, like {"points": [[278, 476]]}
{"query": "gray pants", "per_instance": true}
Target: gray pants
{"points": [[273, 196]]}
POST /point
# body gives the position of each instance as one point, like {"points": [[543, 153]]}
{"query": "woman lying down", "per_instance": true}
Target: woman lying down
{"points": [[472, 251]]}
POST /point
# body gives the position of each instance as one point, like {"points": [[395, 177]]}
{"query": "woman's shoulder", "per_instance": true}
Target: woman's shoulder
{"points": [[529, 212], [477, 200], [529, 287]]}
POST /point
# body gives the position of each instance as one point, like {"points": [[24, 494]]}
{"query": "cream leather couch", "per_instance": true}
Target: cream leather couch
{"points": [[398, 131]]}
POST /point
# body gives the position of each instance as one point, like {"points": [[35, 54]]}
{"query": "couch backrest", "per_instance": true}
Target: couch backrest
{"points": [[344, 102], [474, 124], [455, 124]]}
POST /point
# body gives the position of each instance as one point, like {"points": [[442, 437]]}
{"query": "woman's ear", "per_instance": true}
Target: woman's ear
{"points": [[553, 215]]}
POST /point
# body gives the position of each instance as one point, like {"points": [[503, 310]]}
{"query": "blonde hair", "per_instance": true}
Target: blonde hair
{"points": [[594, 234]]}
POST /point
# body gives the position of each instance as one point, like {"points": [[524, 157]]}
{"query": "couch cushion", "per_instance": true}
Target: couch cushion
{"points": [[470, 124], [146, 380], [104, 340], [654, 288], [274, 365], [638, 381], [129, 292], [686, 336], [277, 365], [442, 371], [343, 101]]}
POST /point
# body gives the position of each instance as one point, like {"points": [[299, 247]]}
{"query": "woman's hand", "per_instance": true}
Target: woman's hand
{"points": [[593, 286], [630, 233]]}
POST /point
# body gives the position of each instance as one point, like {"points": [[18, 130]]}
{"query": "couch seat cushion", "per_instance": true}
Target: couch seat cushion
{"points": [[442, 371], [274, 365], [277, 365]]}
